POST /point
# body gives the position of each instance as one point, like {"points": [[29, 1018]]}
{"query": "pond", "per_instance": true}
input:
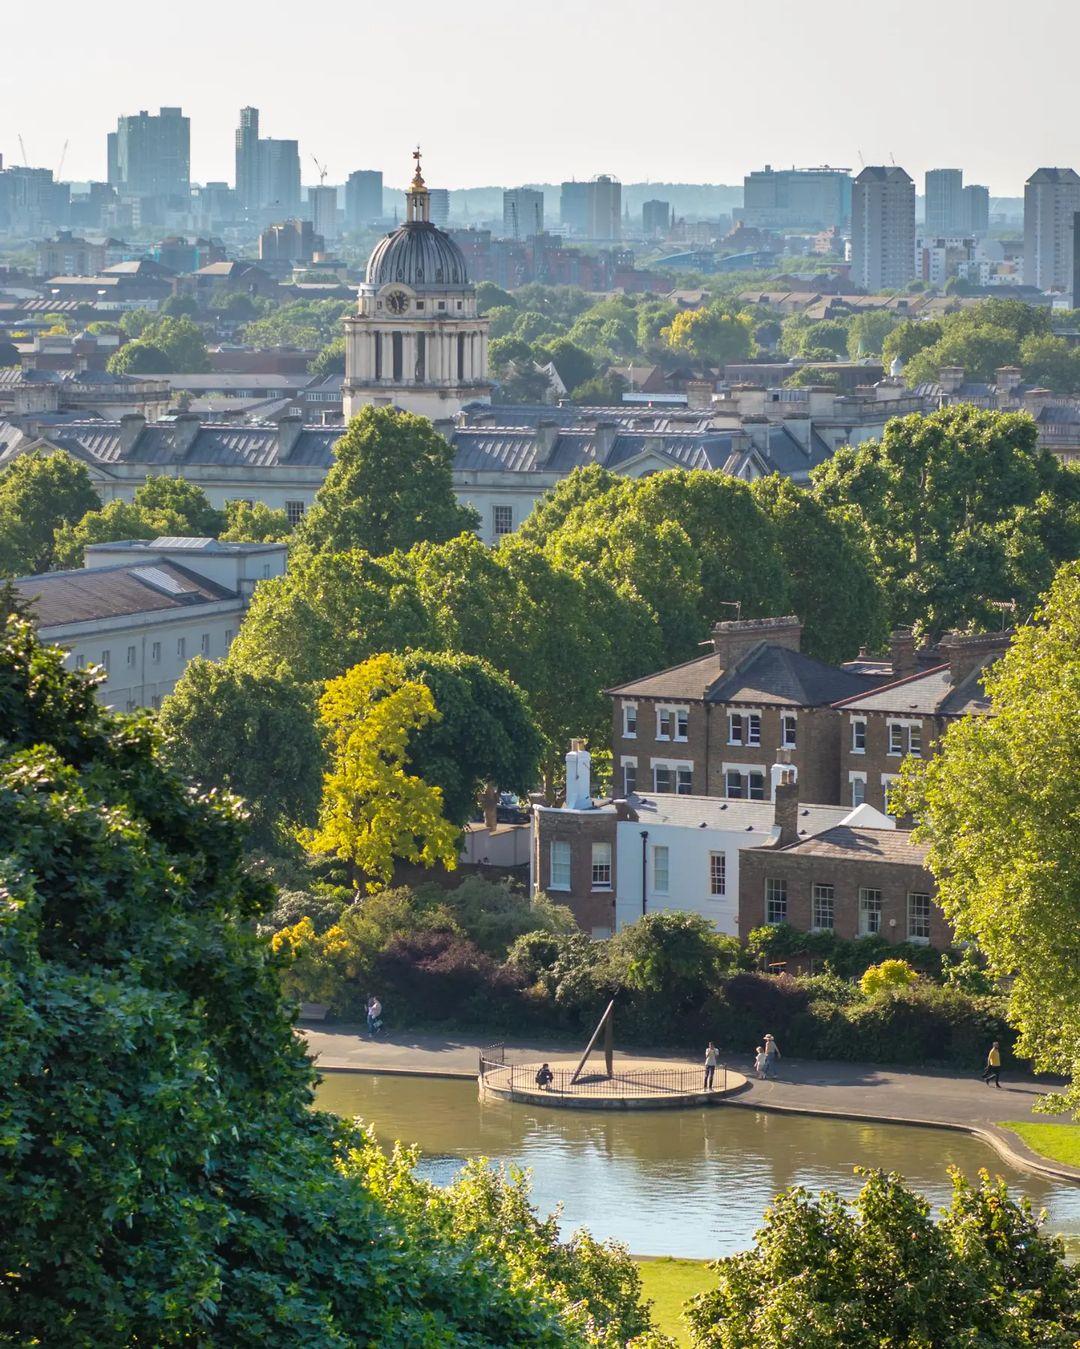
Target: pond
{"points": [[689, 1183]]}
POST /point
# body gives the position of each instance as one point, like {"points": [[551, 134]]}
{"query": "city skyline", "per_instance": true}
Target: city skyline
{"points": [[364, 100]]}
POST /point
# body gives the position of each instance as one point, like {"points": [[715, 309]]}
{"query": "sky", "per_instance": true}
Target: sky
{"points": [[504, 92]]}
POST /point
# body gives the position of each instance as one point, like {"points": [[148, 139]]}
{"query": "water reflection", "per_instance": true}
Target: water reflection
{"points": [[690, 1183]]}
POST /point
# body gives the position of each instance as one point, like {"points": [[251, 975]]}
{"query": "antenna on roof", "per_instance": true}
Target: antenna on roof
{"points": [[1005, 606], [732, 604]]}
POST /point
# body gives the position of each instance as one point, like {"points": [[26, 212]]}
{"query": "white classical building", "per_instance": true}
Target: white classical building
{"points": [[416, 341], [141, 609]]}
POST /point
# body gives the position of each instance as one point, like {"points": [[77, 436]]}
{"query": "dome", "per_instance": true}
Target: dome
{"points": [[419, 255]]}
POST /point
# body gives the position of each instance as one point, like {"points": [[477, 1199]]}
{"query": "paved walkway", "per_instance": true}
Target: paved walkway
{"points": [[852, 1090]]}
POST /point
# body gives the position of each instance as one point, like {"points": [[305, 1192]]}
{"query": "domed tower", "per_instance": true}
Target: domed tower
{"points": [[416, 340]]}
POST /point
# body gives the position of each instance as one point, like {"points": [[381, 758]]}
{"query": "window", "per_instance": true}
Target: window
{"points": [[129, 706], [682, 723], [744, 782], [757, 786], [775, 901], [914, 733], [502, 520], [684, 780], [106, 660], [858, 788], [228, 638], [753, 728], [560, 865], [204, 644], [601, 866], [858, 736], [887, 780], [131, 655], [789, 730], [155, 653], [663, 723], [918, 918], [629, 721], [823, 908], [869, 912], [663, 778], [733, 783], [660, 869], [735, 728], [629, 776], [80, 662], [717, 873], [294, 512], [181, 647], [155, 702], [266, 571], [896, 737]]}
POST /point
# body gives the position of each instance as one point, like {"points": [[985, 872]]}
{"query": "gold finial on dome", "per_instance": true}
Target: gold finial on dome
{"points": [[418, 199]]}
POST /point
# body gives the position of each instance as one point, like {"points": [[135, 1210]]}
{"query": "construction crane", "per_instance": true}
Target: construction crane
{"points": [[22, 147], [63, 156], [322, 172]]}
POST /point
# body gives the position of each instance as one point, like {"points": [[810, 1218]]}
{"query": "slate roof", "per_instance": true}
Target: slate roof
{"points": [[844, 842], [63, 597], [717, 812], [691, 679], [930, 693]]}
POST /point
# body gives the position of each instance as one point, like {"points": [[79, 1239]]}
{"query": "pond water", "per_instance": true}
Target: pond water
{"points": [[670, 1182]]}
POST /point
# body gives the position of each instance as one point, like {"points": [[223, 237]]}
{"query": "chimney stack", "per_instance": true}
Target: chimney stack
{"points": [[547, 433], [578, 777], [131, 428], [288, 433], [733, 639], [786, 808], [967, 652], [902, 652]]}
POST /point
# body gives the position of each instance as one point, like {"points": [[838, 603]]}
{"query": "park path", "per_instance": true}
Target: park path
{"points": [[850, 1090]]}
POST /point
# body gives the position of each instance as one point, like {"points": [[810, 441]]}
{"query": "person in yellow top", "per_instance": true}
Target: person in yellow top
{"points": [[993, 1066]]}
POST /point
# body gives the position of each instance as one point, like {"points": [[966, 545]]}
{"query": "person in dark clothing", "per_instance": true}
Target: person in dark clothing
{"points": [[993, 1066], [544, 1077]]}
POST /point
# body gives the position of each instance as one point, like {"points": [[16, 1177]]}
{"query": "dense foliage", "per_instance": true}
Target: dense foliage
{"points": [[162, 1175], [40, 493], [1000, 806]]}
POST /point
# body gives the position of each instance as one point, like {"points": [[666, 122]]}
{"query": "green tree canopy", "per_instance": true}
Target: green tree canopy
{"points": [[39, 494], [163, 1175], [179, 341], [254, 522], [253, 735], [957, 508], [881, 1272], [139, 358], [998, 804], [866, 332], [489, 296], [710, 334], [908, 338], [573, 363], [161, 506], [300, 323], [330, 360], [390, 486]]}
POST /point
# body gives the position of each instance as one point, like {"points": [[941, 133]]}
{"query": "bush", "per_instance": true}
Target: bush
{"points": [[494, 914], [887, 977], [434, 977]]}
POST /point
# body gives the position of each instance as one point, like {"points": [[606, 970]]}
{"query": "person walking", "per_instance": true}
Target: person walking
{"points": [[772, 1053], [759, 1063], [374, 1015], [712, 1057], [993, 1066]]}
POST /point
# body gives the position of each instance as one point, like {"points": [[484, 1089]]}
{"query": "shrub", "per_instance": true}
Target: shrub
{"points": [[323, 910], [887, 977], [494, 914], [442, 977]]}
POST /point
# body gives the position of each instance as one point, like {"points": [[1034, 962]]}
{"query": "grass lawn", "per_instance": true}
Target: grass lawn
{"points": [[668, 1283], [1059, 1142]]}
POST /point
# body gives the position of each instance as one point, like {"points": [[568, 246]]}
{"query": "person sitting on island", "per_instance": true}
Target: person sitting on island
{"points": [[544, 1077]]}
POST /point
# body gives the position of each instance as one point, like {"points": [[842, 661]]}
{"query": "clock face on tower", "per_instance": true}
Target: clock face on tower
{"points": [[397, 301]]}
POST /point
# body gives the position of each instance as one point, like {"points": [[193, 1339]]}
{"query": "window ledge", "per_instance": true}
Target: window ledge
{"points": [[858, 751], [600, 890]]}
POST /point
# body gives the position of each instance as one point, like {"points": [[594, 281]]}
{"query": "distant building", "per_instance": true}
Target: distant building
{"points": [[440, 206], [151, 155], [593, 209], [944, 201], [523, 212], [141, 610], [248, 189], [975, 209], [883, 228], [267, 170], [289, 241], [68, 255], [31, 201], [797, 198], [655, 219], [322, 203], [363, 198], [1051, 200]]}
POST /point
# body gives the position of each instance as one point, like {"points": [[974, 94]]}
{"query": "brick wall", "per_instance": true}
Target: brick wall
{"points": [[801, 872], [877, 763], [593, 909], [645, 746]]}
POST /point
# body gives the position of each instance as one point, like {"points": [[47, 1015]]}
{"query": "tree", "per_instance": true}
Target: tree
{"points": [[373, 812], [573, 363], [330, 611], [389, 487], [957, 509], [162, 1175], [881, 1272], [824, 560], [602, 390], [677, 956], [887, 977], [180, 306], [330, 360], [1051, 362], [997, 805], [907, 339], [866, 332], [489, 296], [252, 735], [979, 351], [829, 335], [254, 522], [709, 335], [161, 506], [40, 492], [484, 733], [139, 358]]}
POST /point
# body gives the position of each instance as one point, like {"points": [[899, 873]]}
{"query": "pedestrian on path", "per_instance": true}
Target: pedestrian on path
{"points": [[374, 1015], [759, 1063], [772, 1053], [993, 1066], [712, 1057]]}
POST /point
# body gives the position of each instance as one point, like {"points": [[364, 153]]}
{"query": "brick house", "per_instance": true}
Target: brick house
{"points": [[718, 725], [909, 714]]}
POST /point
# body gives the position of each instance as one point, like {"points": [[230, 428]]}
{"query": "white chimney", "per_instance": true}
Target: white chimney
{"points": [[782, 771], [578, 784]]}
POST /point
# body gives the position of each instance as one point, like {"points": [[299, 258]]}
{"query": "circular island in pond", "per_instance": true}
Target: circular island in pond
{"points": [[641, 1085]]}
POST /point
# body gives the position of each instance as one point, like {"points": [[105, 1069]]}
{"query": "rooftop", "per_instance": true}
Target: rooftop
{"points": [[62, 597], [849, 843], [929, 693]]}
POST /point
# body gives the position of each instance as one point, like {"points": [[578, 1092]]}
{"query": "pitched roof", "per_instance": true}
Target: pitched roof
{"points": [[691, 679], [62, 597], [929, 693], [845, 842]]}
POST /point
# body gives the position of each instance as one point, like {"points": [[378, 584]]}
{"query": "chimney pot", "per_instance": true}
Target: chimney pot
{"points": [[902, 652]]}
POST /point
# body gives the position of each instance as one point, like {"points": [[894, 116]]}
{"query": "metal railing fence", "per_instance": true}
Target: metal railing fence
{"points": [[624, 1082]]}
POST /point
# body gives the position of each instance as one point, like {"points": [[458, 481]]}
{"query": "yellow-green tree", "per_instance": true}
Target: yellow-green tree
{"points": [[710, 335], [373, 811]]}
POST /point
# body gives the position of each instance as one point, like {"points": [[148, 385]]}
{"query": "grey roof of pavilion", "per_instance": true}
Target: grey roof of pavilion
{"points": [[717, 812], [849, 843], [62, 597], [929, 693], [163, 443]]}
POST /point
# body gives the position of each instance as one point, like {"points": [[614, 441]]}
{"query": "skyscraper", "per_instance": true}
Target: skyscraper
{"points": [[247, 160], [267, 171], [592, 210], [363, 198], [322, 202], [523, 212], [883, 228], [1051, 198], [655, 219], [944, 201], [797, 198], [439, 198], [151, 156], [976, 209]]}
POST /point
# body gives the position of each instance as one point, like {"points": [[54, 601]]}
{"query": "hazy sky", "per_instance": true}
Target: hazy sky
{"points": [[504, 92]]}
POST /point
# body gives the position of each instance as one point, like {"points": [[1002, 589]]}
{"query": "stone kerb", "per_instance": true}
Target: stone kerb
{"points": [[660, 1084]]}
